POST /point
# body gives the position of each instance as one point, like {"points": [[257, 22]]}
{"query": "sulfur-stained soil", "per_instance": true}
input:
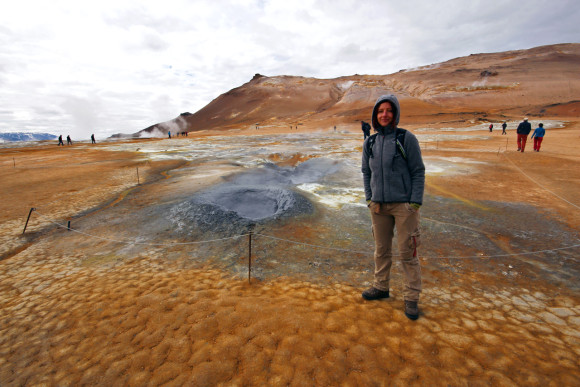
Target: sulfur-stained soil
{"points": [[128, 296]]}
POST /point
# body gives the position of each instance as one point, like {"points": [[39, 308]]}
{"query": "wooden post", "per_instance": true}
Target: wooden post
{"points": [[27, 219], [138, 182], [250, 257], [14, 160]]}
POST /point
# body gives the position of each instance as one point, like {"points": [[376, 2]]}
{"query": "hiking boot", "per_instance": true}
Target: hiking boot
{"points": [[412, 309], [375, 294]]}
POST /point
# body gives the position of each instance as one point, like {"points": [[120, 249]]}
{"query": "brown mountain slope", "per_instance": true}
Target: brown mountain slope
{"points": [[543, 81]]}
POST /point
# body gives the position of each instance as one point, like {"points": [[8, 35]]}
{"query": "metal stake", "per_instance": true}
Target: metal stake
{"points": [[27, 219], [249, 257]]}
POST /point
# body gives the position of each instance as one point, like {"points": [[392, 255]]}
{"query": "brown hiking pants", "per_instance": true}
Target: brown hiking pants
{"points": [[385, 217]]}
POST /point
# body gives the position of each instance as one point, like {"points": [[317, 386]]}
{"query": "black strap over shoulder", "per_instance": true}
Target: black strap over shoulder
{"points": [[370, 143], [399, 140]]}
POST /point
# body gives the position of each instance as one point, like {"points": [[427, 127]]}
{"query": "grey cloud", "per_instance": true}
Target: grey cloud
{"points": [[5, 114], [139, 16], [445, 30], [354, 53], [154, 42]]}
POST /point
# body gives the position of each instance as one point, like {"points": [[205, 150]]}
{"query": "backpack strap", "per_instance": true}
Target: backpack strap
{"points": [[399, 141], [370, 142]]}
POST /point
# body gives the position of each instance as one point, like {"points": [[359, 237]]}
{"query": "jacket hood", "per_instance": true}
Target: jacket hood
{"points": [[394, 103]]}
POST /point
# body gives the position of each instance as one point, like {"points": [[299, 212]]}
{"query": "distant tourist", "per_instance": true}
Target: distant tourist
{"points": [[394, 181], [503, 127], [538, 136], [68, 140], [490, 128], [93, 139], [60, 141], [523, 131], [169, 134], [366, 128]]}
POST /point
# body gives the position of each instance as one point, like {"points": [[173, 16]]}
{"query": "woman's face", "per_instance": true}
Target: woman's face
{"points": [[385, 114]]}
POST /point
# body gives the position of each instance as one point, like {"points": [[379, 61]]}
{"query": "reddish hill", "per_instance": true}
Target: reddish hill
{"points": [[543, 81]]}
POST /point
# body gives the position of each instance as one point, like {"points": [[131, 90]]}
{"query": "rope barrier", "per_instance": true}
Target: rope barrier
{"points": [[131, 242], [451, 303], [425, 257], [317, 246], [140, 243], [506, 255], [541, 186]]}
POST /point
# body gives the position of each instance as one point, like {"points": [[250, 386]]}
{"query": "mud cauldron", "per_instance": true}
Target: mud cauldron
{"points": [[231, 209]]}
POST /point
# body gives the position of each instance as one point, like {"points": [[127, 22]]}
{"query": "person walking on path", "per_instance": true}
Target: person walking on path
{"points": [[503, 127], [394, 182], [60, 141], [68, 141], [490, 128], [523, 131], [366, 128], [93, 139], [538, 136]]}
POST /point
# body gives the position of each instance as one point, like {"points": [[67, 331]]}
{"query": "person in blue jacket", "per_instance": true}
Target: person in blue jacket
{"points": [[394, 181], [538, 136]]}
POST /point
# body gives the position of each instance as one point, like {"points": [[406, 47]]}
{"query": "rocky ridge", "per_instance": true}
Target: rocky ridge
{"points": [[542, 81]]}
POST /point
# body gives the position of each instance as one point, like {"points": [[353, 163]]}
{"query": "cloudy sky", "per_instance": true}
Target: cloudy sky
{"points": [[79, 67]]}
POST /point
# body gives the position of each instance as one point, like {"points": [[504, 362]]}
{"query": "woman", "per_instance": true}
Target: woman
{"points": [[394, 181]]}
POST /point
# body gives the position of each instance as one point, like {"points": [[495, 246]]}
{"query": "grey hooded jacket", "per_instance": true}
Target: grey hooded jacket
{"points": [[387, 176]]}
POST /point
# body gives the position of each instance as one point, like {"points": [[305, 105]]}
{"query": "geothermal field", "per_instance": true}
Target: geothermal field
{"points": [[238, 258]]}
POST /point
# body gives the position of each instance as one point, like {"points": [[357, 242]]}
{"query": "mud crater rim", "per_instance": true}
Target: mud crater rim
{"points": [[251, 202]]}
